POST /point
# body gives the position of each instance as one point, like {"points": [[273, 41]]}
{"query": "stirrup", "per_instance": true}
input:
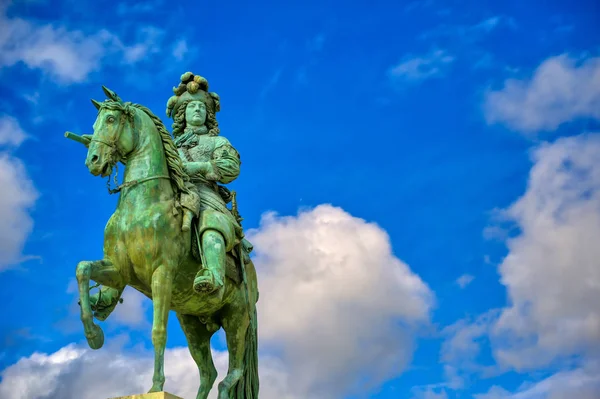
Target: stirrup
{"points": [[205, 282]]}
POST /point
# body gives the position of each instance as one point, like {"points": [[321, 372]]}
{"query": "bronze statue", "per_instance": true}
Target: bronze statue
{"points": [[173, 236]]}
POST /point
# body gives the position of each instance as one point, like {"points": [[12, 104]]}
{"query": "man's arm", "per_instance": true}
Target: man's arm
{"points": [[226, 161], [224, 166]]}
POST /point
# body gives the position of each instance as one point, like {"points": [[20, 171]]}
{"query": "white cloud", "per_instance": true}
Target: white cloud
{"points": [[128, 9], [11, 133], [148, 43], [74, 372], [468, 34], [551, 271], [488, 25], [461, 349], [429, 393], [581, 383], [17, 197], [337, 313], [561, 89], [132, 312], [335, 301], [464, 280], [551, 276], [180, 49], [495, 392], [418, 68], [68, 56]]}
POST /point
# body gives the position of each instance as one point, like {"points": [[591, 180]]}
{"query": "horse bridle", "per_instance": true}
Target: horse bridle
{"points": [[117, 156]]}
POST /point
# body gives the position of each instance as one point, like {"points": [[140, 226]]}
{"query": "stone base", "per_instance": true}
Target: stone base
{"points": [[153, 395]]}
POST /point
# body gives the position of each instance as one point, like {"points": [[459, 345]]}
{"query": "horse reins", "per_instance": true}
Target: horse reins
{"points": [[117, 156]]}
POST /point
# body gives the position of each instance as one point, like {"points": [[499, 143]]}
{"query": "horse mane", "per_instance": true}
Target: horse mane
{"points": [[174, 165]]}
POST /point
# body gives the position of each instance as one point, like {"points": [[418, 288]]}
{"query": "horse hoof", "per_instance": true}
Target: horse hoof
{"points": [[96, 339], [156, 388]]}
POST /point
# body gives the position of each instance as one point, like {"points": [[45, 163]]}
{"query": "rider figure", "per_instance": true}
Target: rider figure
{"points": [[208, 159]]}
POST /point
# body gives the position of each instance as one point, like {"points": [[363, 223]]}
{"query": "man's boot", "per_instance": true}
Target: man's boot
{"points": [[210, 278]]}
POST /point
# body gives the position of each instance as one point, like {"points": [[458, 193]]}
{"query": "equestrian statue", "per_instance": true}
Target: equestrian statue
{"points": [[176, 234]]}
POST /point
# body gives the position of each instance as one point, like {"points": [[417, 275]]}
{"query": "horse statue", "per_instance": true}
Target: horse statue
{"points": [[146, 248]]}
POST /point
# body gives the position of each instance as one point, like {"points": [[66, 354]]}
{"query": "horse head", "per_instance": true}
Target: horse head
{"points": [[115, 135]]}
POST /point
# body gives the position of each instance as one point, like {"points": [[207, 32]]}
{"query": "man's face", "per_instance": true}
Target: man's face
{"points": [[195, 113]]}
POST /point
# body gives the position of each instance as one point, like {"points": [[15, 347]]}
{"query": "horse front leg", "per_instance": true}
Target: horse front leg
{"points": [[162, 284], [104, 272]]}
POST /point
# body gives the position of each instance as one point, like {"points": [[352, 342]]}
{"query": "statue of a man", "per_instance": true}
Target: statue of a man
{"points": [[209, 159]]}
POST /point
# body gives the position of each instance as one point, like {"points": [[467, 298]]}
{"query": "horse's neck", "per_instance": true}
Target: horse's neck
{"points": [[147, 160]]}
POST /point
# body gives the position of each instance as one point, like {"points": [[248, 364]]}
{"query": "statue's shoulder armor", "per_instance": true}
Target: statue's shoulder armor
{"points": [[221, 141]]}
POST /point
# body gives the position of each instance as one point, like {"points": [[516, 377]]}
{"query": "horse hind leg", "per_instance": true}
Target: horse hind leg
{"points": [[241, 381], [103, 272], [198, 337]]}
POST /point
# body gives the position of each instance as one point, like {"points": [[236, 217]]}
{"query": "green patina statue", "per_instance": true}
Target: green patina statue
{"points": [[173, 236], [209, 159]]}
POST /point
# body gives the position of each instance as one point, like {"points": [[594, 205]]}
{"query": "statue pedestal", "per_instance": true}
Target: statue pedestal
{"points": [[153, 395]]}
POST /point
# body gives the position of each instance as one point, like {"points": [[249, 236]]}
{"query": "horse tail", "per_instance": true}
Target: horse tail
{"points": [[247, 386]]}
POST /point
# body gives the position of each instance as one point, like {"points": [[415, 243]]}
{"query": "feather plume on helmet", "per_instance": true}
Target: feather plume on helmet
{"points": [[193, 88]]}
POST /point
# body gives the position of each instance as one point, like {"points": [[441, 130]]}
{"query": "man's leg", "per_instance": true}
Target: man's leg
{"points": [[213, 253]]}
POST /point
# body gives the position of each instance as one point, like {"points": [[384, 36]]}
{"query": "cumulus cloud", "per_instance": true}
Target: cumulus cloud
{"points": [[561, 89], [18, 195], [67, 55], [418, 68], [338, 312], [77, 372], [335, 301], [551, 272], [552, 279]]}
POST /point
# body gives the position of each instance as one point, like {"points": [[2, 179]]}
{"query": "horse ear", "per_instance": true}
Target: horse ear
{"points": [[111, 94], [97, 104]]}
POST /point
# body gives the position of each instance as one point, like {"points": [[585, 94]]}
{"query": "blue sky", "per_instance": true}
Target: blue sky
{"points": [[432, 165]]}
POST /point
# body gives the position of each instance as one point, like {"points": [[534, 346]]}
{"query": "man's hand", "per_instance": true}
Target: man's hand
{"points": [[193, 168], [187, 166]]}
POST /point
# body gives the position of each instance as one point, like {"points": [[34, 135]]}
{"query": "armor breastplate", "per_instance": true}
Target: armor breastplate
{"points": [[202, 151]]}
